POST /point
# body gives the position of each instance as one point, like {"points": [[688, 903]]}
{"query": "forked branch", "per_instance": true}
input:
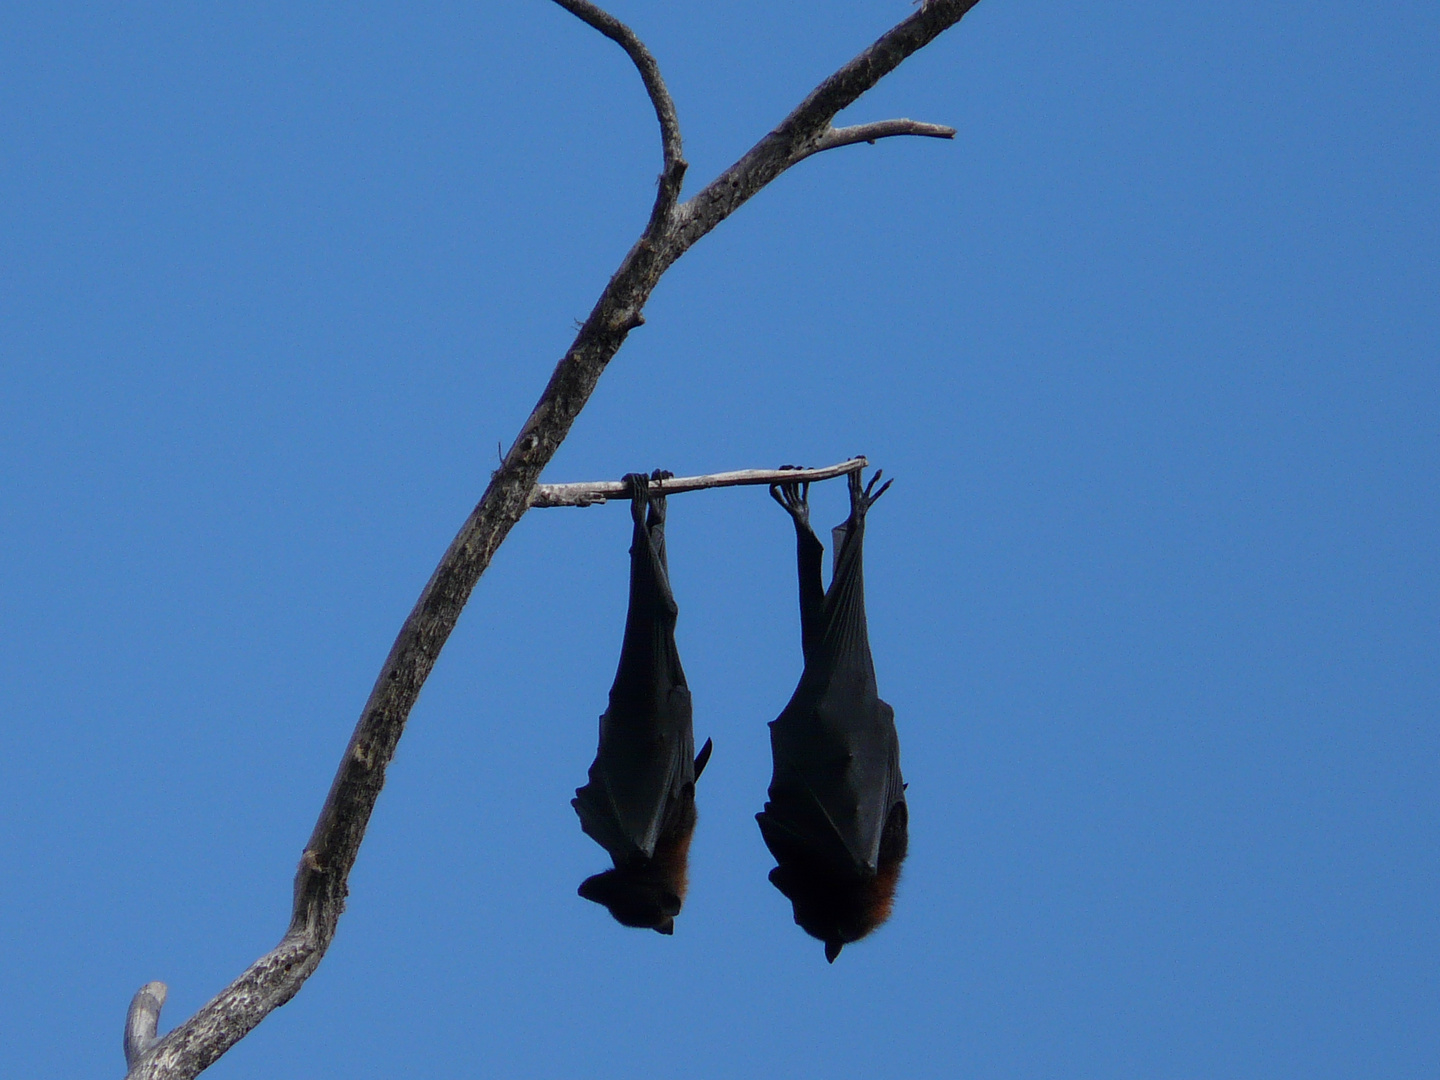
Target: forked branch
{"points": [[800, 134], [320, 880]]}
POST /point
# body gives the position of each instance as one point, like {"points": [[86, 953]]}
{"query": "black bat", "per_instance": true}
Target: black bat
{"points": [[640, 802], [836, 819]]}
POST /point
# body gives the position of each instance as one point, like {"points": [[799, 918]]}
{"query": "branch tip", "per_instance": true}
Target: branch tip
{"points": [[835, 137], [142, 1021]]}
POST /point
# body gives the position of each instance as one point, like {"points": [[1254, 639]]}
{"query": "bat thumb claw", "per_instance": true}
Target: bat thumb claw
{"points": [[703, 758]]}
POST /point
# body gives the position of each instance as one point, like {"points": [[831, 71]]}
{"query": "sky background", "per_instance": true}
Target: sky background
{"points": [[1150, 350]]}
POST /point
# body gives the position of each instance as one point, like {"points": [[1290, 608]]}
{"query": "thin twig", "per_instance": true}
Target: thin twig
{"points": [[592, 492], [880, 129], [321, 878]]}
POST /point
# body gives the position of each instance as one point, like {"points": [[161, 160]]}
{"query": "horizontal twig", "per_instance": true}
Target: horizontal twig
{"points": [[598, 491], [880, 129]]}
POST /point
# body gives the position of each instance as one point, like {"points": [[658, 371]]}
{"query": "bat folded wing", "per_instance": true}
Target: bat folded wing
{"points": [[639, 773]]}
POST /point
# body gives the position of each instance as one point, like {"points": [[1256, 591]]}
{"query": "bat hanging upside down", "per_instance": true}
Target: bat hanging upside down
{"points": [[836, 819], [640, 802]]}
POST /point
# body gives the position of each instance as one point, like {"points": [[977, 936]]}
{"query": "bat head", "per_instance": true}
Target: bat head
{"points": [[835, 909], [633, 900], [841, 906], [647, 893]]}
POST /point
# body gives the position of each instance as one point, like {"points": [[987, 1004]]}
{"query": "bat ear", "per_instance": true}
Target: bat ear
{"points": [[666, 926], [703, 758], [596, 887], [832, 950]]}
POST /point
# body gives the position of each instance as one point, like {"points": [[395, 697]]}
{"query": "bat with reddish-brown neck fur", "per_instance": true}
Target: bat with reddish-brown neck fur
{"points": [[640, 802], [836, 819]]}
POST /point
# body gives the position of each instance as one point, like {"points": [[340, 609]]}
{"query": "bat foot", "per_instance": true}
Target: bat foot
{"points": [[862, 495], [657, 498], [794, 496], [639, 485]]}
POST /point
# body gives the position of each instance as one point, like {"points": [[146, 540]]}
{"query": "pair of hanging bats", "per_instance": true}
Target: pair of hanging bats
{"points": [[835, 820]]}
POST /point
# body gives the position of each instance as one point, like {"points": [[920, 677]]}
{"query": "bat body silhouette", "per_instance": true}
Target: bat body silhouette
{"points": [[836, 819], [639, 804]]}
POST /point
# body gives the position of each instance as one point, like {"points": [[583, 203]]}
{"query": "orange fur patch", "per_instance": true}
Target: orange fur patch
{"points": [[880, 893], [671, 864]]}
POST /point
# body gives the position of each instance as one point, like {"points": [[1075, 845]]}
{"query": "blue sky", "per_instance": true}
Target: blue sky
{"points": [[1150, 350]]}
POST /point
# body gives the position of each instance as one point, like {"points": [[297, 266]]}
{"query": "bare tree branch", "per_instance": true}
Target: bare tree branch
{"points": [[674, 171], [320, 880], [793, 139], [880, 129], [598, 491]]}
